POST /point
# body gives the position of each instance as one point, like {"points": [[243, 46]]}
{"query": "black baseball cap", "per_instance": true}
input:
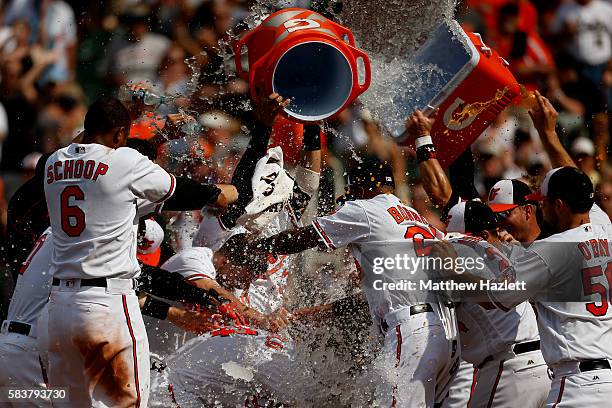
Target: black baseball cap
{"points": [[470, 217], [570, 185], [508, 194], [370, 172]]}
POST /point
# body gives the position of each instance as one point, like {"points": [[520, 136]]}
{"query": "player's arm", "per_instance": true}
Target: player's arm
{"points": [[266, 111], [193, 321], [434, 178], [172, 286], [345, 308], [349, 224], [236, 310], [27, 218], [544, 117], [530, 271]]}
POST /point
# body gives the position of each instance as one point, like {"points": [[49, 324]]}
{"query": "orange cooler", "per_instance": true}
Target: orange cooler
{"points": [[470, 84], [306, 57]]}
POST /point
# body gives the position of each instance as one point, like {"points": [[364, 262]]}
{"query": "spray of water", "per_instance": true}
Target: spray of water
{"points": [[390, 31]]}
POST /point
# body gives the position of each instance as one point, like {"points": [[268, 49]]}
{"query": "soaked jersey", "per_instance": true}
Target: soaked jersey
{"points": [[191, 264], [33, 285], [92, 194], [486, 332], [379, 220], [569, 276], [266, 293]]}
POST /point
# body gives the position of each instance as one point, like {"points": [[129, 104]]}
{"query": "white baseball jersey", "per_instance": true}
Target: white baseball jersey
{"points": [[487, 332], [34, 282], [598, 216], [576, 262], [192, 264], [265, 294], [383, 218], [92, 194]]}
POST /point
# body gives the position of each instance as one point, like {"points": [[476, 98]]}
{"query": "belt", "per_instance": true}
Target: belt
{"points": [[591, 365], [413, 310], [98, 282], [526, 347], [19, 328]]}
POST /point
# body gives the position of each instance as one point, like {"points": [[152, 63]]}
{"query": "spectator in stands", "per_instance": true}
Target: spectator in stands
{"points": [[139, 59], [583, 153], [58, 34], [585, 27]]}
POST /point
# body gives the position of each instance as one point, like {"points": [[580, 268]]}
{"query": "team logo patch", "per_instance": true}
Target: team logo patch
{"points": [[493, 194]]}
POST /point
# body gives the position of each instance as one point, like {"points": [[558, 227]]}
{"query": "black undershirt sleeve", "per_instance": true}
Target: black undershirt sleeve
{"points": [[191, 195], [243, 174], [172, 286]]}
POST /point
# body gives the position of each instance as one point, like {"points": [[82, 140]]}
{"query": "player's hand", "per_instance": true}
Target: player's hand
{"points": [[418, 125], [192, 321], [174, 123], [544, 116], [506, 237], [136, 106], [266, 109], [276, 321], [444, 250]]}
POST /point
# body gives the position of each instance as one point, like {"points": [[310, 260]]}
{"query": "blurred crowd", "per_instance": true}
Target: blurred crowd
{"points": [[58, 56]]}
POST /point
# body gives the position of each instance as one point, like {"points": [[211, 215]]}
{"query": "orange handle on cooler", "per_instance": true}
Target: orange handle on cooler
{"points": [[343, 31], [238, 56], [368, 72]]}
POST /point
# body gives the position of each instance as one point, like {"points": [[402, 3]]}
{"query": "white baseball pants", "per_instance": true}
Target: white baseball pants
{"points": [[98, 345], [511, 381], [20, 367], [417, 362]]}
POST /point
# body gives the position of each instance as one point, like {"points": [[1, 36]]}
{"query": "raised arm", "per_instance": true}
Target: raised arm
{"points": [[436, 183], [544, 117]]}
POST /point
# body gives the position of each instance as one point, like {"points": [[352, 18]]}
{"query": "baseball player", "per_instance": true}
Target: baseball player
{"points": [[561, 274], [378, 215], [18, 341], [267, 358], [231, 362], [503, 347], [510, 199], [97, 340]]}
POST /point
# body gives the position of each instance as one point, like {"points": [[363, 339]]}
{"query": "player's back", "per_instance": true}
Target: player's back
{"points": [[91, 193], [391, 220], [581, 265], [33, 284], [486, 332]]}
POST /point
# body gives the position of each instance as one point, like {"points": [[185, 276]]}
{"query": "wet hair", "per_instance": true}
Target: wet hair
{"points": [[105, 115], [235, 251]]}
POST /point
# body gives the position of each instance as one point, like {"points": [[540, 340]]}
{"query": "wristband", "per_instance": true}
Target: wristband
{"points": [[425, 153], [155, 308], [312, 138], [423, 140]]}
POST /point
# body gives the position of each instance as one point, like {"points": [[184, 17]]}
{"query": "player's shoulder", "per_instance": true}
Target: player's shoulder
{"points": [[129, 153], [581, 233], [199, 255]]}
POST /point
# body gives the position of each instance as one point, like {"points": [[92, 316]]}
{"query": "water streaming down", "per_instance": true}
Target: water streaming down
{"points": [[391, 32], [340, 354]]}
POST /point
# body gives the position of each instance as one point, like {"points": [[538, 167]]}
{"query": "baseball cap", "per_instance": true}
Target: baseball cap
{"points": [[470, 217], [570, 185], [150, 238], [582, 145], [370, 172], [508, 194]]}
